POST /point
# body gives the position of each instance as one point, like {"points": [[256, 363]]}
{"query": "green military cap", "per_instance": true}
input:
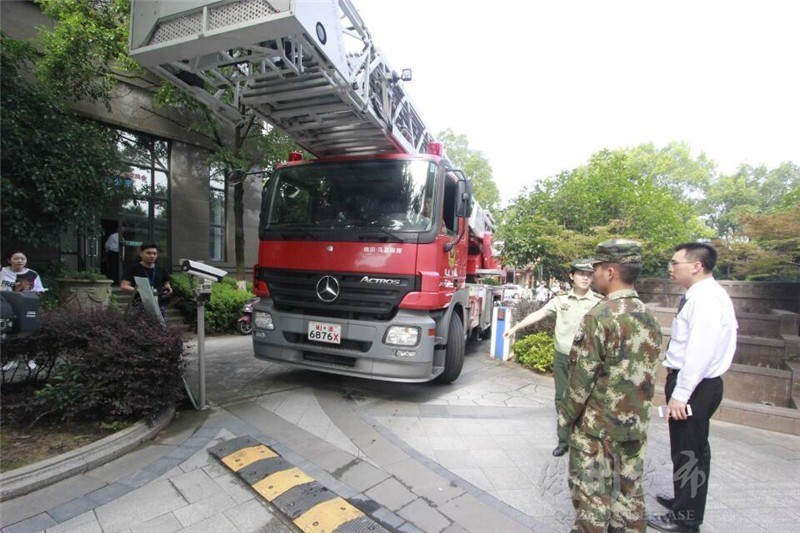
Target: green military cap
{"points": [[584, 265], [617, 251]]}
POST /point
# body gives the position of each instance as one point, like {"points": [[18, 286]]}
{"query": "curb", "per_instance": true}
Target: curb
{"points": [[32, 477]]}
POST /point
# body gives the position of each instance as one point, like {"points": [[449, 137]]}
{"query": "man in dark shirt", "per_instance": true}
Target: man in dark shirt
{"points": [[146, 268]]}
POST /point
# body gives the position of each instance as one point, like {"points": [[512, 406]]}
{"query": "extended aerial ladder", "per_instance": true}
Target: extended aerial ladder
{"points": [[309, 67]]}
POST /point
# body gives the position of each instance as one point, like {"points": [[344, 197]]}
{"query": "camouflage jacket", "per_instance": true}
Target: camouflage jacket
{"points": [[612, 370]]}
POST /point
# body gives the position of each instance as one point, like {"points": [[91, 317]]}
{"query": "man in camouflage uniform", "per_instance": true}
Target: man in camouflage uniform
{"points": [[568, 309], [606, 407]]}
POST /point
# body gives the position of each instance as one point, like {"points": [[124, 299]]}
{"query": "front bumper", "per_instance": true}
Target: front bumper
{"points": [[361, 353]]}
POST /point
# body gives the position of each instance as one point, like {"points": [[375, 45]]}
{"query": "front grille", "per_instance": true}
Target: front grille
{"points": [[296, 292], [338, 360]]}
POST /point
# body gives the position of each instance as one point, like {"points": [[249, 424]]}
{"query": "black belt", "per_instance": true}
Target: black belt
{"points": [[671, 371]]}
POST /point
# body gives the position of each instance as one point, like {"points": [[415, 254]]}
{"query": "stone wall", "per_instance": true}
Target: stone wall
{"points": [[747, 296], [751, 384]]}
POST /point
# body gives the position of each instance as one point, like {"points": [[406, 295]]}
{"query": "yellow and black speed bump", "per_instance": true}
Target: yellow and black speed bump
{"points": [[310, 505]]}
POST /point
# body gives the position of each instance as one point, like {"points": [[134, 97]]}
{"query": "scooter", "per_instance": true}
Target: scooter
{"points": [[244, 326]]}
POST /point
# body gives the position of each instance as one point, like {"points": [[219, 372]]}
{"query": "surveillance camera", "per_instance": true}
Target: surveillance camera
{"points": [[201, 270]]}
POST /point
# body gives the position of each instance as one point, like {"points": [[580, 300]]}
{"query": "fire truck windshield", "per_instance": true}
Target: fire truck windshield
{"points": [[383, 195]]}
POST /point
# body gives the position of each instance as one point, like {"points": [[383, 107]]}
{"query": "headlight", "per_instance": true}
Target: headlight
{"points": [[402, 336], [263, 320]]}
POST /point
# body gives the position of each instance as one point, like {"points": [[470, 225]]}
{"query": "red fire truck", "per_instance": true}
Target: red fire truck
{"points": [[371, 254]]}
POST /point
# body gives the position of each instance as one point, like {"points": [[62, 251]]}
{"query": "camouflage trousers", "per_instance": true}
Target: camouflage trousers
{"points": [[605, 483]]}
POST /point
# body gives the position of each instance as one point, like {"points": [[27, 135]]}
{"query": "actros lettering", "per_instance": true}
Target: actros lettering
{"points": [[380, 281]]}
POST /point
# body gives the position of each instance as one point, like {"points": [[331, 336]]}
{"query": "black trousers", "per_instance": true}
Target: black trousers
{"points": [[113, 266], [691, 454]]}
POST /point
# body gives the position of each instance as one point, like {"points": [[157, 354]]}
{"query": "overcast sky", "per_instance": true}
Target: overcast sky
{"points": [[539, 86]]}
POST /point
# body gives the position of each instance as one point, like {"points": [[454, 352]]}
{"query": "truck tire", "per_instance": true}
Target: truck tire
{"points": [[454, 353]]}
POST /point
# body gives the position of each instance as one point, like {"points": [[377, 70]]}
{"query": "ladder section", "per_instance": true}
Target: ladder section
{"points": [[308, 67]]}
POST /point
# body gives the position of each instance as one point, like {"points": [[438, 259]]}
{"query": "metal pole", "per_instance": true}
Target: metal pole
{"points": [[201, 348]]}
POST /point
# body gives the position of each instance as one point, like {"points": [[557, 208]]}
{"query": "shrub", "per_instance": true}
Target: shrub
{"points": [[222, 311], [523, 308], [103, 365], [535, 352]]}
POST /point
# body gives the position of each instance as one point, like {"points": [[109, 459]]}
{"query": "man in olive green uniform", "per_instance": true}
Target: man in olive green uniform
{"points": [[568, 308], [606, 407]]}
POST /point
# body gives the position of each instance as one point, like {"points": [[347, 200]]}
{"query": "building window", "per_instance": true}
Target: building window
{"points": [[144, 216], [217, 195]]}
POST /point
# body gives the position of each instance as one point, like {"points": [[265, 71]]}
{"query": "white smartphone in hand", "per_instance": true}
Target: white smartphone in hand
{"points": [[662, 410]]}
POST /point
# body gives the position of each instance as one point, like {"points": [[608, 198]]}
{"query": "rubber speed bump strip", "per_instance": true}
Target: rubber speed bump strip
{"points": [[310, 505]]}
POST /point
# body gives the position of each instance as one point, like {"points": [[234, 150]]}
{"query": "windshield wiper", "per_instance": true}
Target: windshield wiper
{"points": [[290, 230], [388, 235]]}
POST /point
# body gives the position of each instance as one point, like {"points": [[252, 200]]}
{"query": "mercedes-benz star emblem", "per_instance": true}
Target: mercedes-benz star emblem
{"points": [[328, 289]]}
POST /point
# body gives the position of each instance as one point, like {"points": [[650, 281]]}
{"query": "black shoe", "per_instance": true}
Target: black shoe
{"points": [[666, 501], [560, 450], [666, 523]]}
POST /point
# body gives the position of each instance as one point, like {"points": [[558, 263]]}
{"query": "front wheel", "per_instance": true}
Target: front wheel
{"points": [[454, 353], [244, 327]]}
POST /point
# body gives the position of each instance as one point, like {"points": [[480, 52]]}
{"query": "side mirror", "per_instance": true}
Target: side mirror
{"points": [[464, 207]]}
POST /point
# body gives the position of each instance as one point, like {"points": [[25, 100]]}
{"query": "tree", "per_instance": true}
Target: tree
{"points": [[750, 190], [770, 251], [86, 50], [475, 166], [674, 168], [56, 168], [632, 193]]}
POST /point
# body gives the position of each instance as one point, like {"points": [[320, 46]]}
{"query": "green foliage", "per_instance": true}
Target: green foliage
{"points": [[620, 193], [114, 425], [475, 166], [102, 365], [755, 213], [56, 167], [275, 147], [64, 390], [661, 197], [750, 191], [535, 352], [81, 50], [772, 251], [225, 306], [222, 311]]}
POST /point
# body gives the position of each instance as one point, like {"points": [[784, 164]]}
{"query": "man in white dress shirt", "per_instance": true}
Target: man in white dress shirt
{"points": [[700, 350], [112, 256]]}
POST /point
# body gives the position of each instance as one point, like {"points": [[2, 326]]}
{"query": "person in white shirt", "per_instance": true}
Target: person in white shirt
{"points": [[112, 256], [16, 277], [542, 293], [701, 349]]}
